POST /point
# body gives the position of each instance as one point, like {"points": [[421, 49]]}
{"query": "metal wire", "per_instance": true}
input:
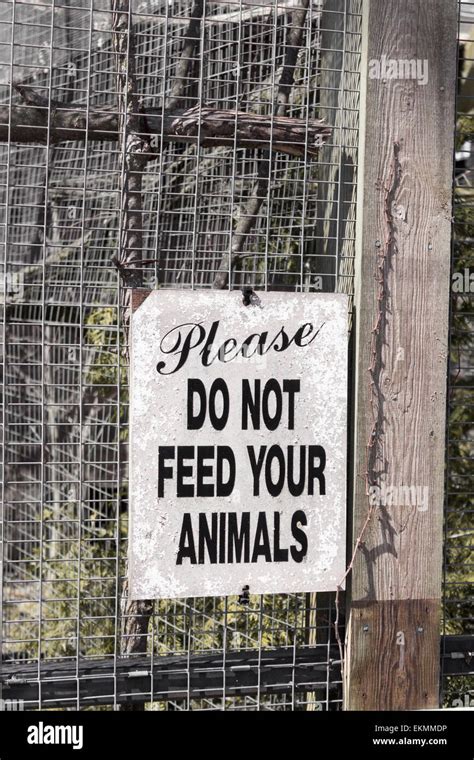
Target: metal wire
{"points": [[458, 617], [65, 382]]}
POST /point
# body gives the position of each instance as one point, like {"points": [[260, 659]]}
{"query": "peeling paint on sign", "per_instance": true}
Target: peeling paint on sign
{"points": [[237, 444]]}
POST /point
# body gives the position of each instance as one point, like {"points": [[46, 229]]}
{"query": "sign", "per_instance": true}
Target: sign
{"points": [[238, 443]]}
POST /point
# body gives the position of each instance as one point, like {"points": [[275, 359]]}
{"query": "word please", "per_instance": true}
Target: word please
{"points": [[211, 470], [192, 337]]}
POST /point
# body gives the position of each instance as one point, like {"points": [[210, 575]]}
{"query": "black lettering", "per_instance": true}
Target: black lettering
{"points": [[184, 471], [256, 465], [274, 452], [250, 404], [261, 546], [271, 386], [296, 488], [279, 554], [187, 345], [227, 347], [225, 454], [316, 452], [304, 332], [173, 343], [291, 387], [206, 350], [258, 348], [164, 453], [285, 341], [204, 471], [299, 535], [196, 421], [222, 527], [238, 541], [219, 423], [186, 541], [208, 538]]}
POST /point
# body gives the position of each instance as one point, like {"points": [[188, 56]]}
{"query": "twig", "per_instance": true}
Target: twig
{"points": [[133, 151], [385, 252], [60, 254], [134, 147], [188, 66], [250, 213]]}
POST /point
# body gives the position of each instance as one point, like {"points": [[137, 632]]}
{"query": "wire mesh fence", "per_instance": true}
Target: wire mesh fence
{"points": [[259, 202], [458, 690]]}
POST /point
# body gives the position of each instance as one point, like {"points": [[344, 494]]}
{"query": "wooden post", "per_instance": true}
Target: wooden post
{"points": [[402, 298]]}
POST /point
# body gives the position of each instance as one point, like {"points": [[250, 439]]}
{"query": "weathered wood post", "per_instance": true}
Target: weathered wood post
{"points": [[402, 296]]}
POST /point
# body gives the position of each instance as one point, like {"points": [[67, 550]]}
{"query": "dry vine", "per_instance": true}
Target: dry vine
{"points": [[385, 252]]}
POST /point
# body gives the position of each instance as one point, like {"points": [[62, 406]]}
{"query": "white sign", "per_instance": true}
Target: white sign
{"points": [[238, 443]]}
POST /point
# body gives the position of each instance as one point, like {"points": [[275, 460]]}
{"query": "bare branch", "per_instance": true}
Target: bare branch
{"points": [[284, 134], [133, 146], [188, 66], [58, 255], [250, 214], [133, 151], [29, 124]]}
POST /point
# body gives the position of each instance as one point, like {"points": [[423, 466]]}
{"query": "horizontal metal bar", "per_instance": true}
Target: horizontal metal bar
{"points": [[235, 673], [145, 679], [457, 655]]}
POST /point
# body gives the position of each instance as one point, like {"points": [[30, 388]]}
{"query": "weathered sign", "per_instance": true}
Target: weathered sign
{"points": [[238, 443]]}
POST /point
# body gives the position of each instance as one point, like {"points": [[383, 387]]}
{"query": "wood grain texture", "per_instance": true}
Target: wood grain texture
{"points": [[402, 299], [396, 656]]}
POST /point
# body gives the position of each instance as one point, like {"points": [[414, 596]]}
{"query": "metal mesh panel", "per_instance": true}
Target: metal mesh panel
{"points": [[458, 690], [64, 368]]}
